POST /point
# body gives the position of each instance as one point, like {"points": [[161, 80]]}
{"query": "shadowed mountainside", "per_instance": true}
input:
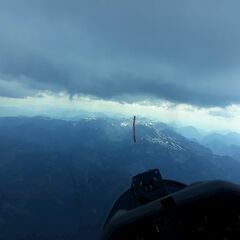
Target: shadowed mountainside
{"points": [[59, 178]]}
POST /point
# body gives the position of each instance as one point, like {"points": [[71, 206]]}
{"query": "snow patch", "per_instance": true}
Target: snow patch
{"points": [[124, 124]]}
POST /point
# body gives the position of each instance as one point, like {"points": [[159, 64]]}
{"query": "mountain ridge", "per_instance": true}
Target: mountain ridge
{"points": [[54, 170]]}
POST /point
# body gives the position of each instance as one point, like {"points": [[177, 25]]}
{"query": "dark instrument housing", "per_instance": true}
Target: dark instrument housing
{"points": [[156, 208]]}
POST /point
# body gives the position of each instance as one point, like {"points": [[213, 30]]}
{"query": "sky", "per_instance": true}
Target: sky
{"points": [[164, 59]]}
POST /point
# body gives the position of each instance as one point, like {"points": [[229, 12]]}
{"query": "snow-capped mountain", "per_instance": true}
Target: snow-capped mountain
{"points": [[54, 170]]}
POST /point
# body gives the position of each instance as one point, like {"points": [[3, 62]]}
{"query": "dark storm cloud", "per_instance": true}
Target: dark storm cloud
{"points": [[182, 51]]}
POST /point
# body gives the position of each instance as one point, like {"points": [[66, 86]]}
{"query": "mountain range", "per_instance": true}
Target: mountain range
{"points": [[59, 178]]}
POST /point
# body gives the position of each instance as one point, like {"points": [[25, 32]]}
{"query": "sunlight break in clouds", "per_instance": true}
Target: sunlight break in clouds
{"points": [[61, 105]]}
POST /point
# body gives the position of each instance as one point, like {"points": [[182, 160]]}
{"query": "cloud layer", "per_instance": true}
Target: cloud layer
{"points": [[183, 51]]}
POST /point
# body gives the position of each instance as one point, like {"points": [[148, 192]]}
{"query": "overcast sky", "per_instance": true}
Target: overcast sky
{"points": [[183, 52]]}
